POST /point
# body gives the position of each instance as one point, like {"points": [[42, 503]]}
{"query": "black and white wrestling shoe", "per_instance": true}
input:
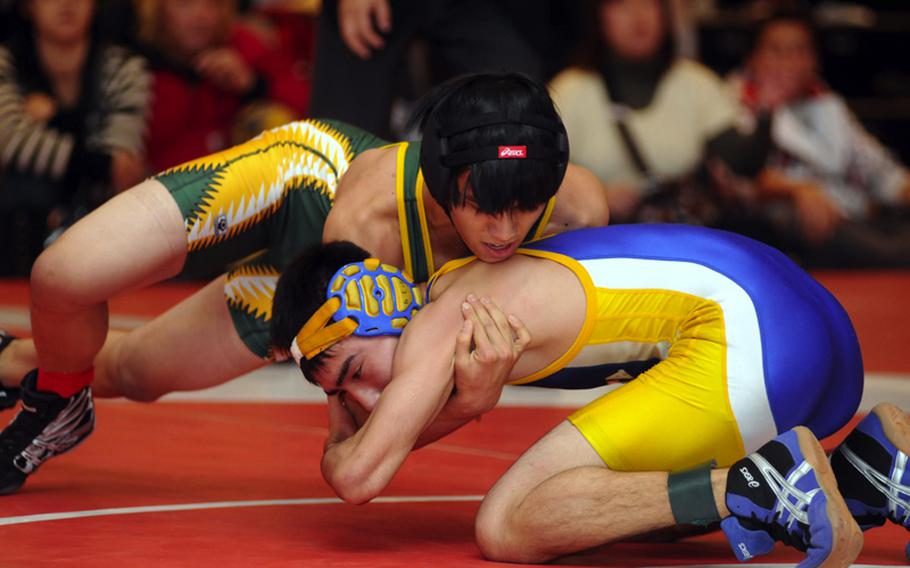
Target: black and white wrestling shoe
{"points": [[47, 425]]}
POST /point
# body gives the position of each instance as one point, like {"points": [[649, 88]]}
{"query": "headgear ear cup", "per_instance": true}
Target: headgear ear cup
{"points": [[364, 299], [384, 294]]}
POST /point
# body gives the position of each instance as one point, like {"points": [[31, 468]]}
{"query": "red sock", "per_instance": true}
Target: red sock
{"points": [[64, 384]]}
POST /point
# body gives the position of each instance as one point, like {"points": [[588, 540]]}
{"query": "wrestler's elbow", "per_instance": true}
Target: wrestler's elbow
{"points": [[597, 214], [595, 211], [353, 484]]}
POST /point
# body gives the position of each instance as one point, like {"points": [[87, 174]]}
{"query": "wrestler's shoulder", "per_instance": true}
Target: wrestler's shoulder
{"points": [[366, 194], [370, 177]]}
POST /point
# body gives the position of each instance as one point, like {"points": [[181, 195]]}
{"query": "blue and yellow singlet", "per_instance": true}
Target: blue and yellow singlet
{"points": [[727, 340]]}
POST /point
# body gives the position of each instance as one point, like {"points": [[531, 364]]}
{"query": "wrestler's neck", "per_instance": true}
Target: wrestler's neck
{"points": [[444, 239]]}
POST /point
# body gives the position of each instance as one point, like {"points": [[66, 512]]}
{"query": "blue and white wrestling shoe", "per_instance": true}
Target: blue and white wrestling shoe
{"points": [[871, 468], [787, 492]]}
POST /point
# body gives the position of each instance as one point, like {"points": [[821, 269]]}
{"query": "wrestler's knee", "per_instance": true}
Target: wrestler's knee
{"points": [[131, 385], [123, 371], [500, 537], [52, 281], [65, 275]]}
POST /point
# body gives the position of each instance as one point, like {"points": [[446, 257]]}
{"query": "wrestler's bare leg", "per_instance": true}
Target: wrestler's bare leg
{"points": [[192, 346], [532, 513], [135, 239]]}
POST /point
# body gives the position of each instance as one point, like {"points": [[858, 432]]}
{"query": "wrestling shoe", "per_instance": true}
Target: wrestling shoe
{"points": [[9, 396], [47, 425], [871, 468], [787, 492]]}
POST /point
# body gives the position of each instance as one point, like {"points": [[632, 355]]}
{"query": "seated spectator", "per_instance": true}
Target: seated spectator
{"points": [[72, 120], [830, 192], [209, 69], [644, 120]]}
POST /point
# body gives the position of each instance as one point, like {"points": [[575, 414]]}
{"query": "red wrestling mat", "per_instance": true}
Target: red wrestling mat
{"points": [[259, 464], [205, 484]]}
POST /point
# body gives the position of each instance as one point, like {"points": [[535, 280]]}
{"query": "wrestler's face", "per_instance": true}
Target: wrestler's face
{"points": [[492, 238], [61, 20], [359, 368], [634, 29]]}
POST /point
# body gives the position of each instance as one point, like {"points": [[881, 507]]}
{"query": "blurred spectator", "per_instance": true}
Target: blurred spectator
{"points": [[361, 47], [830, 191], [209, 69], [72, 120], [645, 120]]}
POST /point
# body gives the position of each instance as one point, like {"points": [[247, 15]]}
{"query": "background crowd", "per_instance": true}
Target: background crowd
{"points": [[783, 122]]}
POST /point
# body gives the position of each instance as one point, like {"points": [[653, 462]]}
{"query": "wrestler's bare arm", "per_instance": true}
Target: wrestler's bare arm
{"points": [[580, 202], [487, 347], [360, 466]]}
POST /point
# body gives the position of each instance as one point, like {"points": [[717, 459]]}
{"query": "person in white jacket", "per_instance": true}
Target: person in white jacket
{"points": [[830, 191]]}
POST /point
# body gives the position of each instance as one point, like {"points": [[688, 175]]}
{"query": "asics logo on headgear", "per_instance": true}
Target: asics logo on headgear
{"points": [[749, 479], [509, 152]]}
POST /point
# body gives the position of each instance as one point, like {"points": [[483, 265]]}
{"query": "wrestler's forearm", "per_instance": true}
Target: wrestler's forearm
{"points": [[458, 411], [357, 472], [360, 466], [441, 427]]}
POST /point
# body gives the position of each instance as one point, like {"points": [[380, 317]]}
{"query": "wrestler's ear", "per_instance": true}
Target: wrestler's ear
{"points": [[301, 290]]}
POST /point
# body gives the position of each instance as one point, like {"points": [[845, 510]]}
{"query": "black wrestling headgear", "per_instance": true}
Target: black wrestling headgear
{"points": [[441, 161]]}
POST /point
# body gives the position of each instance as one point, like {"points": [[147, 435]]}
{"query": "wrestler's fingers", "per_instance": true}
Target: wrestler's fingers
{"points": [[499, 318], [483, 350], [522, 335], [502, 337], [463, 339], [486, 320], [487, 340]]}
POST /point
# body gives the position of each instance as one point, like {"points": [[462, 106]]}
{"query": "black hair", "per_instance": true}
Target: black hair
{"points": [[498, 185], [594, 51], [795, 15], [301, 290], [22, 28]]}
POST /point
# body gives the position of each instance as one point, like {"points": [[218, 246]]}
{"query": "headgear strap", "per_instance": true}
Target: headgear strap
{"points": [[363, 298], [440, 163]]}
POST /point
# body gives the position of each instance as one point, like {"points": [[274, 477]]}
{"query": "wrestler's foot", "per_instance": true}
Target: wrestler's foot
{"points": [[47, 425], [786, 491], [871, 468], [9, 396]]}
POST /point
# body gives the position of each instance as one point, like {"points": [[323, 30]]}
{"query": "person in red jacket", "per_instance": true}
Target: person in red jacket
{"points": [[208, 68]]}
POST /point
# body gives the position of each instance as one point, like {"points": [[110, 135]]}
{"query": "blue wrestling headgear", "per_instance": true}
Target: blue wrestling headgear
{"points": [[363, 298]]}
